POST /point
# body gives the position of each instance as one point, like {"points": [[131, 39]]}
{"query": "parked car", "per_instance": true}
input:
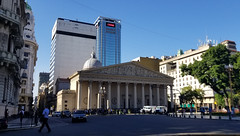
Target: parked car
{"points": [[3, 124], [66, 114], [185, 109], [160, 110], [56, 114], [205, 109], [79, 115], [148, 109]]}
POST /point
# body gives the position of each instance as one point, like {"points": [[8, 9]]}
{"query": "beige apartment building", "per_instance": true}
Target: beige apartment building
{"points": [[171, 66]]}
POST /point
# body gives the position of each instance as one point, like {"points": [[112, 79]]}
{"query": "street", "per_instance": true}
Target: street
{"points": [[133, 125]]}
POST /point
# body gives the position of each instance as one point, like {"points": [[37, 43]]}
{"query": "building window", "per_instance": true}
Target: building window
{"points": [[26, 54], [24, 75], [0, 2], [25, 63], [23, 82], [26, 45], [23, 90], [28, 36]]}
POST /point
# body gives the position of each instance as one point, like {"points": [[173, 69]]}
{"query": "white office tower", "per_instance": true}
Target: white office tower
{"points": [[29, 57], [72, 44]]}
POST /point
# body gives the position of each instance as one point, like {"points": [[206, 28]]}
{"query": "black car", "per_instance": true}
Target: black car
{"points": [[79, 115], [3, 124]]}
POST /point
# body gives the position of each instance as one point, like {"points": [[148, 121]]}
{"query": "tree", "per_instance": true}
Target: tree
{"points": [[219, 99], [235, 61], [191, 96], [211, 69]]}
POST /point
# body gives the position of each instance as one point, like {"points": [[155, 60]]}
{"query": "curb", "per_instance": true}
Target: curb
{"points": [[18, 128], [188, 117]]}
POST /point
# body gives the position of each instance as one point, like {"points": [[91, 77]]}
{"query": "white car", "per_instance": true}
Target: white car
{"points": [[160, 110], [79, 115], [148, 109]]}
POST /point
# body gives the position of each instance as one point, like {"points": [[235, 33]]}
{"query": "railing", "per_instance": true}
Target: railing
{"points": [[199, 116], [10, 16], [8, 57]]}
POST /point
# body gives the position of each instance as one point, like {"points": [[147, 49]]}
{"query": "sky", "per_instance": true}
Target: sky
{"points": [[149, 27]]}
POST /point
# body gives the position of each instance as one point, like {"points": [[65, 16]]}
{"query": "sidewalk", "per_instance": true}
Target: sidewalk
{"points": [[198, 116], [14, 124]]}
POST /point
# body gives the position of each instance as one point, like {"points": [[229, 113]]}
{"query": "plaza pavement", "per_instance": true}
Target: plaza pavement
{"points": [[28, 123]]}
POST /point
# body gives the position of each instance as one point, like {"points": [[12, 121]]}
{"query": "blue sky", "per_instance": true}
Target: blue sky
{"points": [[149, 27]]}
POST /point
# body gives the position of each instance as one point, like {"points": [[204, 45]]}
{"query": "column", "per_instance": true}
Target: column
{"points": [[126, 97], [172, 104], [99, 96], [89, 95], [118, 95], [150, 94], [135, 95], [143, 96], [99, 100], [158, 96], [79, 94], [165, 95], [109, 96]]}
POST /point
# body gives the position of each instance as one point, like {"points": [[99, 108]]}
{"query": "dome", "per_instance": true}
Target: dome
{"points": [[92, 63]]}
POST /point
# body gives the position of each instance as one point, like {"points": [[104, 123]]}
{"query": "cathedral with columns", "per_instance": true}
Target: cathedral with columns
{"points": [[121, 86]]}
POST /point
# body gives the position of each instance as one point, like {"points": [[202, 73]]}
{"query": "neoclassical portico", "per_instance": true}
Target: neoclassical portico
{"points": [[127, 85]]}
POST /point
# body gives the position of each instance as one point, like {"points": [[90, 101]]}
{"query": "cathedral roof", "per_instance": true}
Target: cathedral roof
{"points": [[92, 63]]}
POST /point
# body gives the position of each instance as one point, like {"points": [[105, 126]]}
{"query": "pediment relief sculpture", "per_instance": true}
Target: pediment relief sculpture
{"points": [[128, 70]]}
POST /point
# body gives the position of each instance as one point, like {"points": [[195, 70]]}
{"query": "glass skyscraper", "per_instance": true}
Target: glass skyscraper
{"points": [[108, 45]]}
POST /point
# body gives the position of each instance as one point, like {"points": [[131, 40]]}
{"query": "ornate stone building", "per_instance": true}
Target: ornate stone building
{"points": [[127, 85], [29, 56], [12, 21]]}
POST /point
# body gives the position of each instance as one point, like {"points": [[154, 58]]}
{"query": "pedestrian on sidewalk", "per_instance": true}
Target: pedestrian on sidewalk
{"points": [[6, 114], [36, 117], [45, 119], [21, 114]]}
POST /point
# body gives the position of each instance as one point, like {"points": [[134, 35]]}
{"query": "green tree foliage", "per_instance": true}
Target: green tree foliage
{"points": [[236, 99], [191, 96], [220, 100], [235, 60], [211, 69]]}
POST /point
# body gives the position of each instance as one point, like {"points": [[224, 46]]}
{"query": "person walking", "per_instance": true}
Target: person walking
{"points": [[6, 114], [45, 120], [21, 114], [36, 117]]}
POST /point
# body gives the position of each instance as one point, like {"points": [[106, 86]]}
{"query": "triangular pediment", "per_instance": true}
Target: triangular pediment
{"points": [[127, 69]]}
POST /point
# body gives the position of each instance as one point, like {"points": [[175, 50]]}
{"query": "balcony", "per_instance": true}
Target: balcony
{"points": [[11, 16], [8, 58]]}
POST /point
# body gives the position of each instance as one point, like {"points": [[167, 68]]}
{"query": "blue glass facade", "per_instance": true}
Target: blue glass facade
{"points": [[108, 45]]}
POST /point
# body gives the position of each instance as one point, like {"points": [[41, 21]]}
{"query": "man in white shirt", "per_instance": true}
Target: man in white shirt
{"points": [[45, 119]]}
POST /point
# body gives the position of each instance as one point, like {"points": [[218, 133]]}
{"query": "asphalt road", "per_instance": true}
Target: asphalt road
{"points": [[122, 125]]}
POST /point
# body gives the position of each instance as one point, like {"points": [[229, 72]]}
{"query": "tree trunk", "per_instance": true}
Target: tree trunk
{"points": [[227, 101]]}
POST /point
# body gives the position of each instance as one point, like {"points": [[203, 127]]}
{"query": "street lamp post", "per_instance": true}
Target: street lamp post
{"points": [[175, 106], [229, 69]]}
